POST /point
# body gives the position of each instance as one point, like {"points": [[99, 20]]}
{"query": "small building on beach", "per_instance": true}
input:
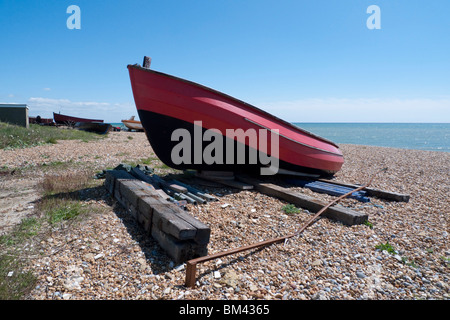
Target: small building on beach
{"points": [[14, 113]]}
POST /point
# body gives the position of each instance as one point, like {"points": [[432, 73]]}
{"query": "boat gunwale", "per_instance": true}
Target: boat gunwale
{"points": [[293, 140], [131, 121], [76, 119]]}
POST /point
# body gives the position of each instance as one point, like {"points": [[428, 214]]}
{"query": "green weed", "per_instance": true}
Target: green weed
{"points": [[290, 209], [369, 224], [387, 247], [61, 202], [64, 210], [12, 136], [15, 282]]}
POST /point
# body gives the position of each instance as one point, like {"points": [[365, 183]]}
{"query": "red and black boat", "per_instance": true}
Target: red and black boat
{"points": [[69, 120], [166, 103]]}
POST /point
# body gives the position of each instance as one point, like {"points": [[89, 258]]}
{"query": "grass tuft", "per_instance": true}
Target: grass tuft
{"points": [[61, 203], [15, 282], [12, 136], [386, 247], [290, 209]]}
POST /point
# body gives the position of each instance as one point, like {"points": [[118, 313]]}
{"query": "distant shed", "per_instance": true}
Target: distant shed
{"points": [[14, 114]]}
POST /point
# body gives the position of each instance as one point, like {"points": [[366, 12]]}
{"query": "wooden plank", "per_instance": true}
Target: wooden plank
{"points": [[382, 194], [215, 175], [166, 220], [177, 188], [236, 184], [138, 173], [145, 222], [229, 174], [337, 212], [229, 182], [112, 175], [145, 205], [297, 174], [203, 232], [132, 190], [178, 250]]}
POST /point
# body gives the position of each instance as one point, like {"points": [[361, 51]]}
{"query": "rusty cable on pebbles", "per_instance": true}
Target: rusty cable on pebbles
{"points": [[191, 265]]}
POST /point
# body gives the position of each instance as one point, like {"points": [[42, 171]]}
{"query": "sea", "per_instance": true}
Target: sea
{"points": [[418, 136], [118, 124]]}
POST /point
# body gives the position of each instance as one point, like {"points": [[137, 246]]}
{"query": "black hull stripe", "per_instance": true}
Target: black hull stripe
{"points": [[159, 128]]}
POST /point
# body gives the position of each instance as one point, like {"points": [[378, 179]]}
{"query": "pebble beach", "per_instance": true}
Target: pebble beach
{"points": [[107, 256]]}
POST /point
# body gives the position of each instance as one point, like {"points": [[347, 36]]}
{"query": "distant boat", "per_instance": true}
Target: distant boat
{"points": [[39, 120], [166, 103], [69, 120], [132, 124], [97, 127]]}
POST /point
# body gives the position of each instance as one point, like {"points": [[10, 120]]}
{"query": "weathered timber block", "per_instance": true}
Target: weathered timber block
{"points": [[342, 214], [345, 215], [165, 220], [172, 219], [203, 232], [178, 250], [112, 175], [178, 233], [118, 195], [132, 210], [168, 217], [222, 175], [122, 194], [132, 190], [146, 203], [144, 221], [153, 183], [337, 212]]}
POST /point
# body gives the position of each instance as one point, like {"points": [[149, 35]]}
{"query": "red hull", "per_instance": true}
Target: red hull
{"points": [[175, 98], [63, 119]]}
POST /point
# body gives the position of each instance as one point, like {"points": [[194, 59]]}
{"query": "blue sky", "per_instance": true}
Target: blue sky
{"points": [[304, 61]]}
